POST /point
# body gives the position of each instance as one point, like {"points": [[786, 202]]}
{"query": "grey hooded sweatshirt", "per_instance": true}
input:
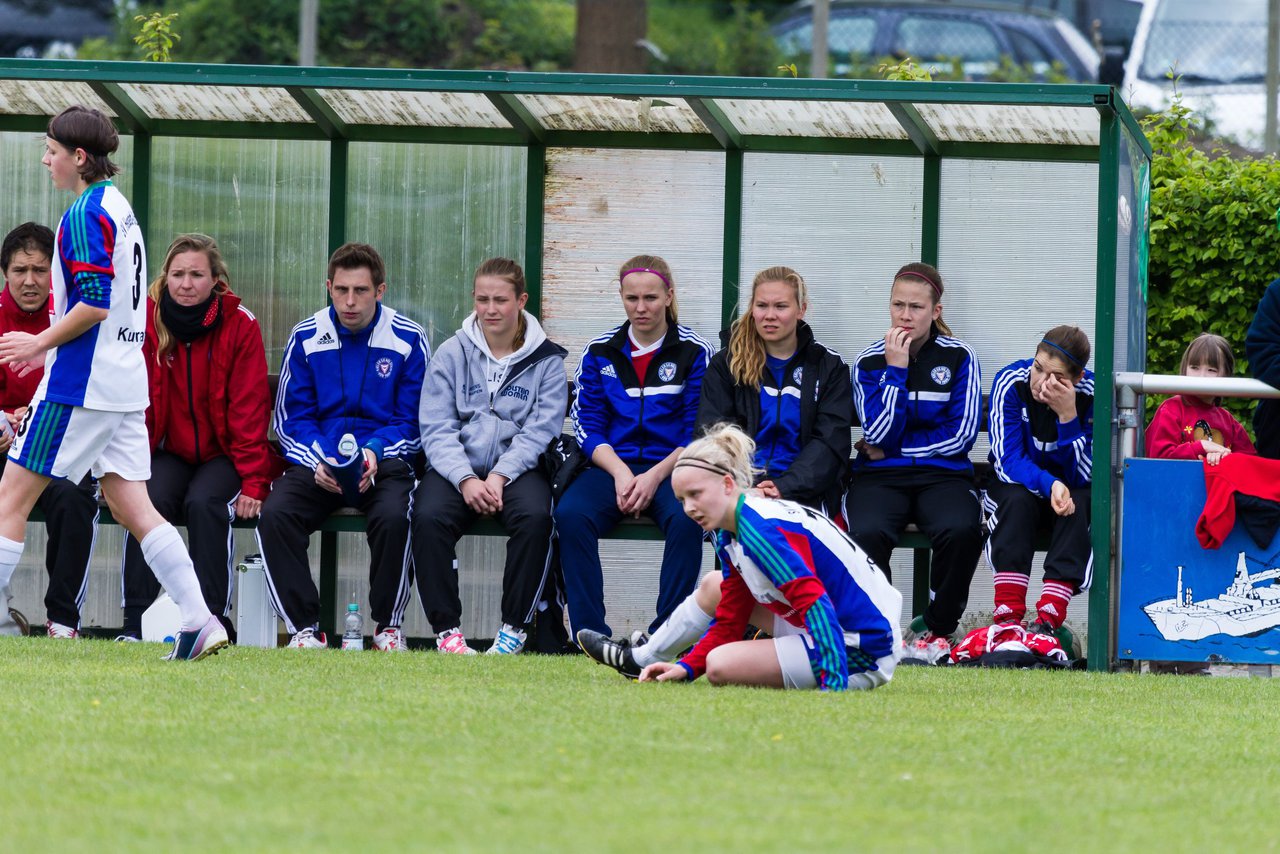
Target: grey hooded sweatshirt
{"points": [[470, 431]]}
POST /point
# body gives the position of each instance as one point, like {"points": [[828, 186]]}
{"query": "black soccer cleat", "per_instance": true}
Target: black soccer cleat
{"points": [[608, 652]]}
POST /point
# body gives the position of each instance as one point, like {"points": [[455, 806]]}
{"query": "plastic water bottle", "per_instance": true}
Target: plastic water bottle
{"points": [[347, 447], [353, 628]]}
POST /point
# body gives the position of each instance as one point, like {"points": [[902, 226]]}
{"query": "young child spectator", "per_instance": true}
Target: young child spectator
{"points": [[210, 407], [1193, 426], [918, 395], [494, 397], [785, 390], [1041, 429], [637, 390]]}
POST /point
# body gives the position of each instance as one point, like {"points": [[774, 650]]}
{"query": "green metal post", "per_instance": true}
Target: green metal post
{"points": [[930, 209], [328, 581], [1100, 610], [534, 215], [140, 197], [732, 264], [339, 154], [921, 561]]}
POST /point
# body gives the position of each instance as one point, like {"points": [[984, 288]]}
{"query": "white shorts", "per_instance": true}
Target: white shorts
{"points": [[64, 441], [793, 644]]}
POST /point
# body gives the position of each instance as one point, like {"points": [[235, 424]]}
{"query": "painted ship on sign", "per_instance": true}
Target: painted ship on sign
{"points": [[1242, 610]]}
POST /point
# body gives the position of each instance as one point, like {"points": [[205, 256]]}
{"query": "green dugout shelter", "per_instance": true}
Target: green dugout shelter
{"points": [[1031, 199]]}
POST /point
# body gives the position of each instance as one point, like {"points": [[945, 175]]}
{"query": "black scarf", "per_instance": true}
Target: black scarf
{"points": [[189, 322]]}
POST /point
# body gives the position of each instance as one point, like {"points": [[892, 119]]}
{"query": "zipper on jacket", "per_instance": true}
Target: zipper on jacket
{"points": [[191, 403]]}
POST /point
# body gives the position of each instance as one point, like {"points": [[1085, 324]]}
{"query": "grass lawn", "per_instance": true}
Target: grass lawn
{"points": [[108, 748]]}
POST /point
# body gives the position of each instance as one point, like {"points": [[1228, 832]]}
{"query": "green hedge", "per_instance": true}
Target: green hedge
{"points": [[1214, 244]]}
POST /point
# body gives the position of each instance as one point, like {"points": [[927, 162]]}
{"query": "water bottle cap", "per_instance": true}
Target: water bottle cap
{"points": [[353, 607]]}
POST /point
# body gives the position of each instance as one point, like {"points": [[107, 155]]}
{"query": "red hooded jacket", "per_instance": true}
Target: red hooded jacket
{"points": [[228, 379], [16, 391]]}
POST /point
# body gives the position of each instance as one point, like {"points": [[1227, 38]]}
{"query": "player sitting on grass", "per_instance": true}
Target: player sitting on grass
{"points": [[833, 615], [88, 413]]}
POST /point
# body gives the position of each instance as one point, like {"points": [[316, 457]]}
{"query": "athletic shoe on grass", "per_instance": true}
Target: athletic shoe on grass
{"points": [[308, 638], [390, 639], [453, 642], [510, 641], [609, 653], [927, 649], [57, 630], [195, 644]]}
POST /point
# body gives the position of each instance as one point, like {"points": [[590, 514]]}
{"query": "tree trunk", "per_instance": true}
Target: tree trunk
{"points": [[608, 34]]}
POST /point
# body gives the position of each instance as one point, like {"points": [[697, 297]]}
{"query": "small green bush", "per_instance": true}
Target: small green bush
{"points": [[1214, 243]]}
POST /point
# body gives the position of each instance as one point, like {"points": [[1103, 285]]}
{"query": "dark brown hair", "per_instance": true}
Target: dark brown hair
{"points": [[28, 237], [354, 256], [1069, 341], [90, 130], [1208, 348], [918, 271]]}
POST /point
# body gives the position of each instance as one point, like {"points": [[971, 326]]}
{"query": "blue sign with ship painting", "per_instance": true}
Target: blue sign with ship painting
{"points": [[1179, 601]]}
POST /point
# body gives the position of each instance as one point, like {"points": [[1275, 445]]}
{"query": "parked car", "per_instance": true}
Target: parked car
{"points": [[1218, 52], [978, 34]]}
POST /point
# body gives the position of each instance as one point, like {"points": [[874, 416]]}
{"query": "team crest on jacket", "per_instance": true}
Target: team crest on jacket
{"points": [[797, 376], [941, 375], [383, 367], [666, 371]]}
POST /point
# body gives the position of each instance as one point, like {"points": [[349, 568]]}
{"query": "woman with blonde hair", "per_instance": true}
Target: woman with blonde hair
{"points": [[832, 614], [637, 390], [787, 391], [210, 406]]}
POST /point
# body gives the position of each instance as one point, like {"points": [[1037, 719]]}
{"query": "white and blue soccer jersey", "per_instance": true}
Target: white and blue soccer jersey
{"points": [[100, 260], [797, 564]]}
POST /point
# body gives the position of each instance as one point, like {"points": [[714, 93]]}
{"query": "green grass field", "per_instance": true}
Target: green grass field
{"points": [[108, 748]]}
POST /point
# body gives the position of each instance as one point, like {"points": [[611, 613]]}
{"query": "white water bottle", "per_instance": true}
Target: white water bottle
{"points": [[353, 628]]}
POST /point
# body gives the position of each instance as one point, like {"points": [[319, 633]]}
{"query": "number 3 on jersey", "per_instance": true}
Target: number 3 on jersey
{"points": [[137, 275]]}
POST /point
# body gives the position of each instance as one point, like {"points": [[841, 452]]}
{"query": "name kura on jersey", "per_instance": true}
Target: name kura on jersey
{"points": [[128, 336]]}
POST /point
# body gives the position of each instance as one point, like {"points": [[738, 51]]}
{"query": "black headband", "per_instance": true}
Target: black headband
{"points": [[694, 462]]}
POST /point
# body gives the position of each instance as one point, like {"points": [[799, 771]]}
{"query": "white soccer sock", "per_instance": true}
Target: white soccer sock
{"points": [[682, 629], [10, 554], [169, 560]]}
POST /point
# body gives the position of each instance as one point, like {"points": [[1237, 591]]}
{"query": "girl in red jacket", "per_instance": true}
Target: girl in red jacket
{"points": [[210, 462], [1193, 427]]}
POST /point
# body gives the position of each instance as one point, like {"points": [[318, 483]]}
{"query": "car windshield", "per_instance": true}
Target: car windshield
{"points": [[1207, 42]]}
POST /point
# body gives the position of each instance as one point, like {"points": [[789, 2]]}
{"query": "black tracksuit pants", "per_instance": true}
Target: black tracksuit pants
{"points": [[201, 497], [71, 516], [1017, 514], [441, 516], [944, 504], [297, 507]]}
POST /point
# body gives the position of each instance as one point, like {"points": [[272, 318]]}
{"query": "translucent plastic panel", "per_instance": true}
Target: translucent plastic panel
{"points": [[842, 119], [989, 123], [266, 203], [845, 223], [46, 97], [28, 192], [605, 113], [435, 212], [602, 207], [1017, 252], [432, 109], [216, 103]]}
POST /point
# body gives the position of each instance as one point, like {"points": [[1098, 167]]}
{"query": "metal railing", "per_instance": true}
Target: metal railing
{"points": [[1130, 385]]}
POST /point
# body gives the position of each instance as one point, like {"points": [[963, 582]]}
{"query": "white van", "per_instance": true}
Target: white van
{"points": [[1219, 50]]}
